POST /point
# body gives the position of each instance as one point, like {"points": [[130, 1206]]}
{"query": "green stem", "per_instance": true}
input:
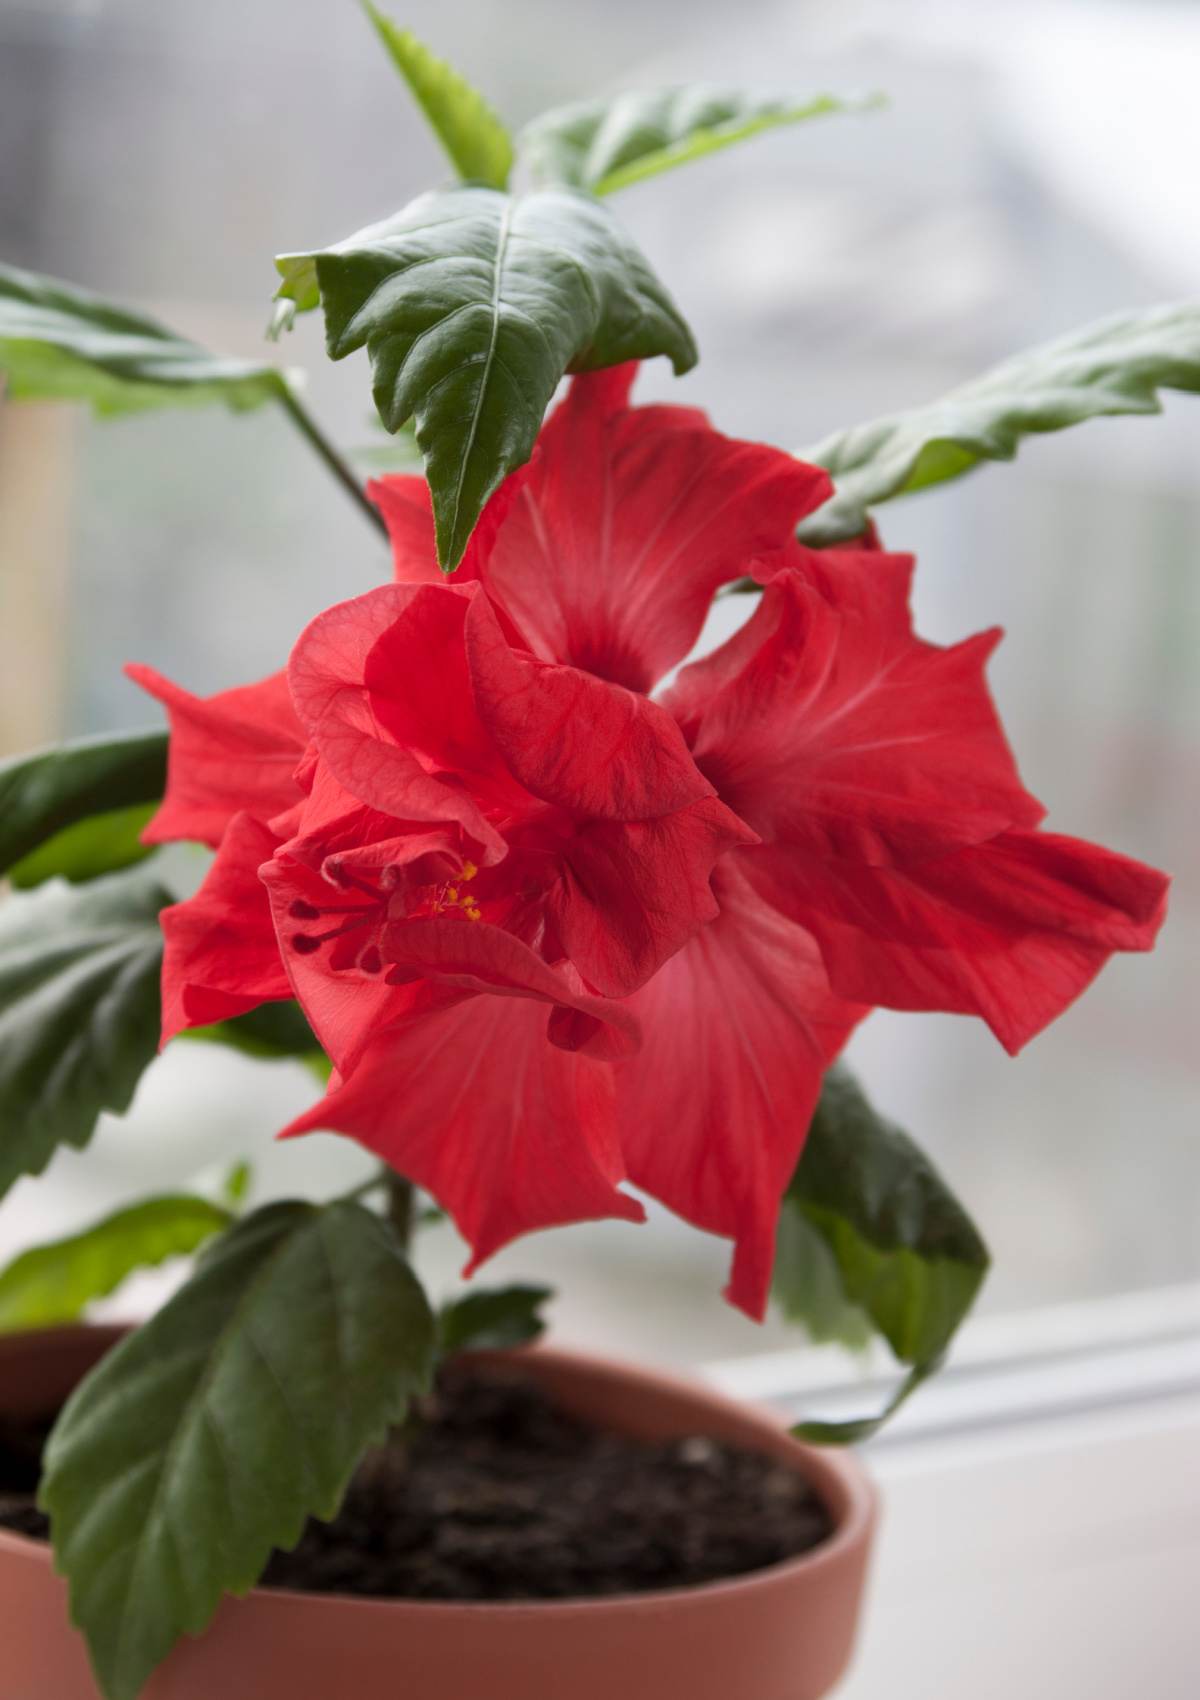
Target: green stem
{"points": [[304, 422], [401, 1206]]}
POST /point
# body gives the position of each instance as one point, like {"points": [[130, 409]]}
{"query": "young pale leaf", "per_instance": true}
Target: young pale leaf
{"points": [[82, 784], [79, 1011], [604, 145], [479, 146], [60, 342], [493, 1319], [1115, 366], [907, 1255], [218, 1428], [472, 306], [55, 1283]]}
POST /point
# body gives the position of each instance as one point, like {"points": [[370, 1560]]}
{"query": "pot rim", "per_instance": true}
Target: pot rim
{"points": [[843, 1484]]}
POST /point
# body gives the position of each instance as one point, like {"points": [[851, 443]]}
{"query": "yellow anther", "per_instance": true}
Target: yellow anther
{"points": [[452, 893], [473, 914], [469, 870]]}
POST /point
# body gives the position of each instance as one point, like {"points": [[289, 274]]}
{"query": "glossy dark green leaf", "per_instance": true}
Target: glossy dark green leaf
{"points": [[55, 1283], [44, 795], [79, 1011], [472, 306], [61, 342], [218, 1428], [606, 144], [908, 1257], [494, 1319], [1113, 367], [479, 146]]}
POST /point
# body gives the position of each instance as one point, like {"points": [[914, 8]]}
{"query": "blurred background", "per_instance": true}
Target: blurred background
{"points": [[1035, 168]]}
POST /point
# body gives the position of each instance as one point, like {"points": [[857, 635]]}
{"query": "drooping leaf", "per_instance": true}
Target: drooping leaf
{"points": [[44, 794], [907, 1255], [217, 1429], [1113, 367], [55, 1283], [472, 306], [478, 144], [493, 1319], [606, 144], [79, 1011], [807, 1286], [61, 342]]}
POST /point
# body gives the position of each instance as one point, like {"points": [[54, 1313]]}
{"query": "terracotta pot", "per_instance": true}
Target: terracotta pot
{"points": [[784, 1633]]}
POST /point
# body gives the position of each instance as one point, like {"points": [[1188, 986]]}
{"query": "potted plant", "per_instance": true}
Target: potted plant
{"points": [[541, 927]]}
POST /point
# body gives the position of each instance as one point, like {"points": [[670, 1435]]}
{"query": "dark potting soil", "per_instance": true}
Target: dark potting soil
{"points": [[498, 1495]]}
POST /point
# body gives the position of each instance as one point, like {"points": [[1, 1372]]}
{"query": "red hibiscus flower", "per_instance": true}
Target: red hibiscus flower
{"points": [[554, 933]]}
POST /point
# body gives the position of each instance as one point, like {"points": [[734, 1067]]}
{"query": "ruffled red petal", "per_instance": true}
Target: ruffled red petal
{"points": [[831, 728], [509, 1132], [738, 1028], [1012, 930], [221, 957], [234, 751], [624, 524]]}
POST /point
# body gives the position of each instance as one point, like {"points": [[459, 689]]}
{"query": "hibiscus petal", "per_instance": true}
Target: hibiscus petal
{"points": [[739, 1027], [1012, 930], [328, 671], [627, 520], [233, 751], [221, 956], [479, 958], [632, 892], [508, 1132], [404, 501], [593, 748], [831, 728]]}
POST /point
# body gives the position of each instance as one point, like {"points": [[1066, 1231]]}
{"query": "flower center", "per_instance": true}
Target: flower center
{"points": [[447, 896]]}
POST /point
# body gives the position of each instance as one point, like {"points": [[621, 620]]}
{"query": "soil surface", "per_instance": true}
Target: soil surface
{"points": [[497, 1495]]}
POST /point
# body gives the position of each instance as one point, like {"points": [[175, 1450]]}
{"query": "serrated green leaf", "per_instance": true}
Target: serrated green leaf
{"points": [[607, 144], [55, 1283], [908, 1257], [472, 306], [493, 1319], [79, 1011], [102, 844], [61, 342], [1116, 366], [218, 1428], [479, 146], [44, 794]]}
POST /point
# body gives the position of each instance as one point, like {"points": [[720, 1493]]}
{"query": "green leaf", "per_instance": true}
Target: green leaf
{"points": [[1115, 366], [808, 1288], [55, 1283], [44, 794], [60, 342], [472, 306], [237, 1184], [79, 1011], [907, 1255], [209, 1437], [479, 146], [272, 1031], [606, 144], [102, 844], [493, 1319]]}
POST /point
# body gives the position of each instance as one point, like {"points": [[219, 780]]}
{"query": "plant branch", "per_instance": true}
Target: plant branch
{"points": [[401, 1206], [304, 422]]}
